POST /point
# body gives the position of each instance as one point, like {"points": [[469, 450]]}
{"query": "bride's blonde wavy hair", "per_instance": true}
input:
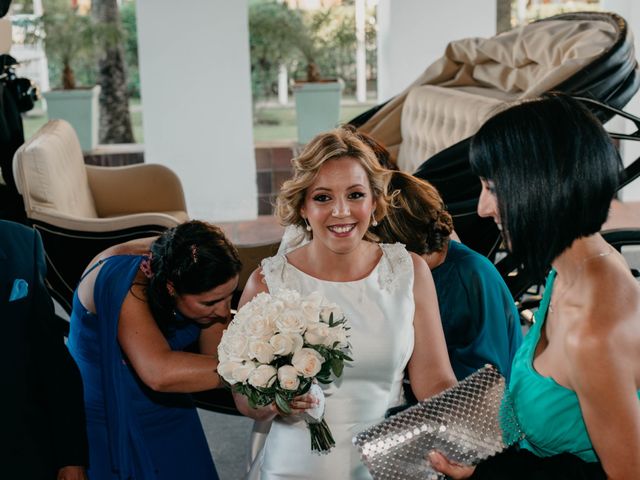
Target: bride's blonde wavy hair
{"points": [[338, 143]]}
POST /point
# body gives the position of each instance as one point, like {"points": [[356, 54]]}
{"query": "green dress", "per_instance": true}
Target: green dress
{"points": [[549, 414]]}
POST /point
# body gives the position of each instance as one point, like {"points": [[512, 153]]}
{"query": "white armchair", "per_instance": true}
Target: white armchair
{"points": [[80, 209]]}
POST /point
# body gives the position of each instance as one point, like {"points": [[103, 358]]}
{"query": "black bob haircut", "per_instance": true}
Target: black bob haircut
{"points": [[555, 171]]}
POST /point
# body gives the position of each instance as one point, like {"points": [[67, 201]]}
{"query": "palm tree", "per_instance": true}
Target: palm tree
{"points": [[115, 120]]}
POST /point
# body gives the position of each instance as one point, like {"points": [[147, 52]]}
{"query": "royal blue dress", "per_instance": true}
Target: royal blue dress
{"points": [[479, 318], [134, 432]]}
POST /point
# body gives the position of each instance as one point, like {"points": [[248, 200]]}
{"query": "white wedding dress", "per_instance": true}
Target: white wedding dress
{"points": [[379, 310]]}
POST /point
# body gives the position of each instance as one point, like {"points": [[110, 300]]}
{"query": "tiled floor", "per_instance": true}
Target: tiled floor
{"points": [[228, 438]]}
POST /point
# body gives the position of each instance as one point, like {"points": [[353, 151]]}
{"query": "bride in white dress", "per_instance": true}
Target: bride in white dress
{"points": [[386, 293]]}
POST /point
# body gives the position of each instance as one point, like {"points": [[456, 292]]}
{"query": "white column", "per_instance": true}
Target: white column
{"points": [[32, 62], [283, 85], [361, 53], [196, 97], [37, 7], [522, 11], [414, 33], [630, 11]]}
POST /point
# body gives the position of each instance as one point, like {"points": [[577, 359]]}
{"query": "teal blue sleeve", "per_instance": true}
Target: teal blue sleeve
{"points": [[479, 317]]}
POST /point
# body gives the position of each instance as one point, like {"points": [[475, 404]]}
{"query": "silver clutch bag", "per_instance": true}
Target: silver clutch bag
{"points": [[467, 423]]}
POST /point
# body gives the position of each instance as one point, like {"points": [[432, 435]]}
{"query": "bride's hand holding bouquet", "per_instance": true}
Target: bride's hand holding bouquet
{"points": [[276, 350]]}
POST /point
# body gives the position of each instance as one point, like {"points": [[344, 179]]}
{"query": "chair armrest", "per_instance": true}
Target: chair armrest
{"points": [[81, 224], [135, 189]]}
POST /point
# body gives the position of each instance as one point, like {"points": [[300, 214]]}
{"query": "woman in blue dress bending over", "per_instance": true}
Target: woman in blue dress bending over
{"points": [[138, 305]]}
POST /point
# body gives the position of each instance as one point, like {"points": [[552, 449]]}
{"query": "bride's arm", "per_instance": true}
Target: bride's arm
{"points": [[429, 369]]}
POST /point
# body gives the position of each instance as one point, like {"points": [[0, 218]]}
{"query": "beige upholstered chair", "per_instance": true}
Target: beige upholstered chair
{"points": [[81, 209]]}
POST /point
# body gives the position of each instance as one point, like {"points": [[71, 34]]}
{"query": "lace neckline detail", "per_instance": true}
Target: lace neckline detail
{"points": [[395, 261], [301, 272]]}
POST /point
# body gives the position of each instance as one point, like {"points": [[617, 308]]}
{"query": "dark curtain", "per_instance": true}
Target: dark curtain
{"points": [[11, 137]]}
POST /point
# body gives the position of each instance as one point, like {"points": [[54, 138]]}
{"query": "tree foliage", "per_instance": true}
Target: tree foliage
{"points": [[130, 44], [115, 120], [273, 30], [72, 40], [310, 44]]}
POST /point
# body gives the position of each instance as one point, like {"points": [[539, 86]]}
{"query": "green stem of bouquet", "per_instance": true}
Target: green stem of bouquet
{"points": [[321, 437]]}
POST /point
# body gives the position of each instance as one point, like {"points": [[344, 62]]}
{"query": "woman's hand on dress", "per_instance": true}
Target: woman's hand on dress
{"points": [[453, 470]]}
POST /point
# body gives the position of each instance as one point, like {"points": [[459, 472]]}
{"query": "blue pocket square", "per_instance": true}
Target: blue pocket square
{"points": [[19, 290]]}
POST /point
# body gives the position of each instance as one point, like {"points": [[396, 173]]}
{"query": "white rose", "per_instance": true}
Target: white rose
{"points": [[260, 299], [328, 309], [262, 351], [291, 321], [315, 298], [263, 376], [255, 307], [225, 369], [274, 308], [282, 344], [290, 298], [317, 334], [310, 307], [259, 326], [222, 355], [298, 342], [310, 313], [241, 372], [286, 343], [288, 377], [233, 347], [337, 334], [235, 326], [307, 362], [246, 309]]}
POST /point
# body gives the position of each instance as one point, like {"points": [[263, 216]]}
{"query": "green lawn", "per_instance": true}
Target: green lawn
{"points": [[279, 122], [32, 121], [272, 123]]}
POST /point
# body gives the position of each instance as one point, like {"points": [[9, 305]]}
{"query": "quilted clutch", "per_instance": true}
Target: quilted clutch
{"points": [[467, 423]]}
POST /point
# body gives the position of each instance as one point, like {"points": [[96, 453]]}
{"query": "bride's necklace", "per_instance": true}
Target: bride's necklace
{"points": [[577, 274]]}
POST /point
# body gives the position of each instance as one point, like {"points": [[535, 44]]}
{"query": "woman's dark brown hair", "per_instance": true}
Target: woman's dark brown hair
{"points": [[416, 216], [193, 257]]}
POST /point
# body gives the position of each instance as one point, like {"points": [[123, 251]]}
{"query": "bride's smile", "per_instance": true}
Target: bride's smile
{"points": [[342, 230]]}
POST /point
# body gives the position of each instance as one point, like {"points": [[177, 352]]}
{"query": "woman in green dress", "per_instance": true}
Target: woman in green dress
{"points": [[549, 172]]}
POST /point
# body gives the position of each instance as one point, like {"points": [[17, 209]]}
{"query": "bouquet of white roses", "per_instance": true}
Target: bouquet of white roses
{"points": [[276, 347]]}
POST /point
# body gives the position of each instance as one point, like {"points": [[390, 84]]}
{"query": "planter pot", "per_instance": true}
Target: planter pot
{"points": [[317, 107], [80, 108]]}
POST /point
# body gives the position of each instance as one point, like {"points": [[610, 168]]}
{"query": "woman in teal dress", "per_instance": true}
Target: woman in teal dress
{"points": [[136, 308], [549, 172]]}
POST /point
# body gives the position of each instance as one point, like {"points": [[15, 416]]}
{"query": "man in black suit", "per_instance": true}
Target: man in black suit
{"points": [[42, 416]]}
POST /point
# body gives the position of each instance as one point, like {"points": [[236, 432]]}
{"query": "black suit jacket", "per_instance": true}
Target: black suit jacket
{"points": [[42, 421]]}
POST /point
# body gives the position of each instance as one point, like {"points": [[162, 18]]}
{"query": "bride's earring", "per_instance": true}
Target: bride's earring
{"points": [[374, 222], [308, 227]]}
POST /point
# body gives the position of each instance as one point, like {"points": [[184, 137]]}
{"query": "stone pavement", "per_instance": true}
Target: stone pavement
{"points": [[228, 438]]}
